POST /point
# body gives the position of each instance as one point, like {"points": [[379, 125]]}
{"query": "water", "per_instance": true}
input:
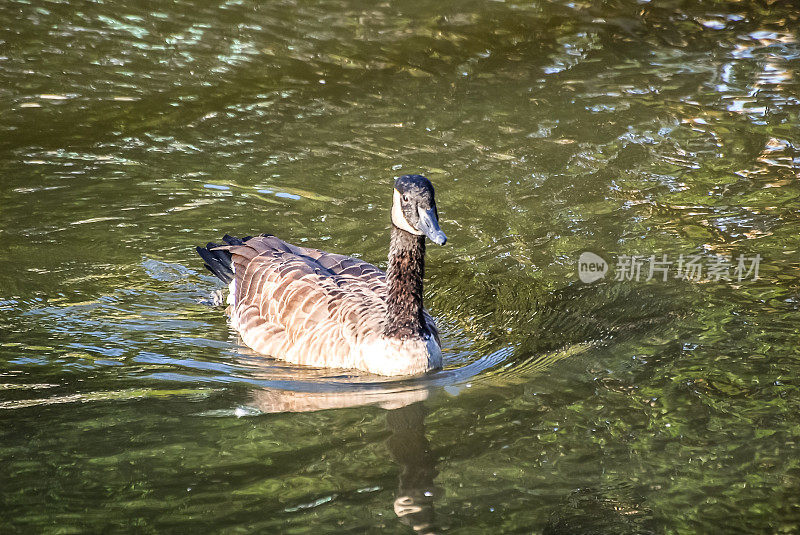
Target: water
{"points": [[133, 132]]}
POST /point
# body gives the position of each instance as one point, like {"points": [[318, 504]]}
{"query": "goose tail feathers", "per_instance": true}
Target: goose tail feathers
{"points": [[219, 261]]}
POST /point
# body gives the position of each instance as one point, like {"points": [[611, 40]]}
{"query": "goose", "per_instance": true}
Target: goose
{"points": [[309, 307]]}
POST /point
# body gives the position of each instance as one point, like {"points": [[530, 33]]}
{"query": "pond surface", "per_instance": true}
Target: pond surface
{"points": [[662, 137]]}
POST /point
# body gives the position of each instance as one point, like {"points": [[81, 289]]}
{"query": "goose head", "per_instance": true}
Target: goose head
{"points": [[414, 208]]}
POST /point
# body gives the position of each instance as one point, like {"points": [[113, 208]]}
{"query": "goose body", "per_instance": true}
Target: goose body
{"points": [[310, 307]]}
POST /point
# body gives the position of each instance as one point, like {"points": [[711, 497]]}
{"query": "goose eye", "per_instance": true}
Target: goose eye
{"points": [[405, 197]]}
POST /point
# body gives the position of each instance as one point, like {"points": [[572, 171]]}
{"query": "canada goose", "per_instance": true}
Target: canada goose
{"points": [[321, 309]]}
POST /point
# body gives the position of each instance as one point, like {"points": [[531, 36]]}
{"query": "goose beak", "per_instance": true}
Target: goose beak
{"points": [[429, 224]]}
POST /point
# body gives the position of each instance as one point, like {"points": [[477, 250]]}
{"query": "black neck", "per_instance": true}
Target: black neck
{"points": [[404, 276]]}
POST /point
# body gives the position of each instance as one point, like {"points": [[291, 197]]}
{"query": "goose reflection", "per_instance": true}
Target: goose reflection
{"points": [[409, 447], [405, 420]]}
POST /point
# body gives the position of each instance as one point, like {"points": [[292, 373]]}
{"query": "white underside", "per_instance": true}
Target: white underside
{"points": [[232, 290], [388, 356]]}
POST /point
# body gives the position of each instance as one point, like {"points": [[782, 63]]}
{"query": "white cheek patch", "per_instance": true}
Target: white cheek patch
{"points": [[398, 218]]}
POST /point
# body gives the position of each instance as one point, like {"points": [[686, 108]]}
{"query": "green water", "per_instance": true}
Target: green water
{"points": [[133, 131]]}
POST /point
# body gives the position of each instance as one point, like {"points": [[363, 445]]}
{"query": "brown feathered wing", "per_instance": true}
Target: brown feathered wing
{"points": [[304, 305]]}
